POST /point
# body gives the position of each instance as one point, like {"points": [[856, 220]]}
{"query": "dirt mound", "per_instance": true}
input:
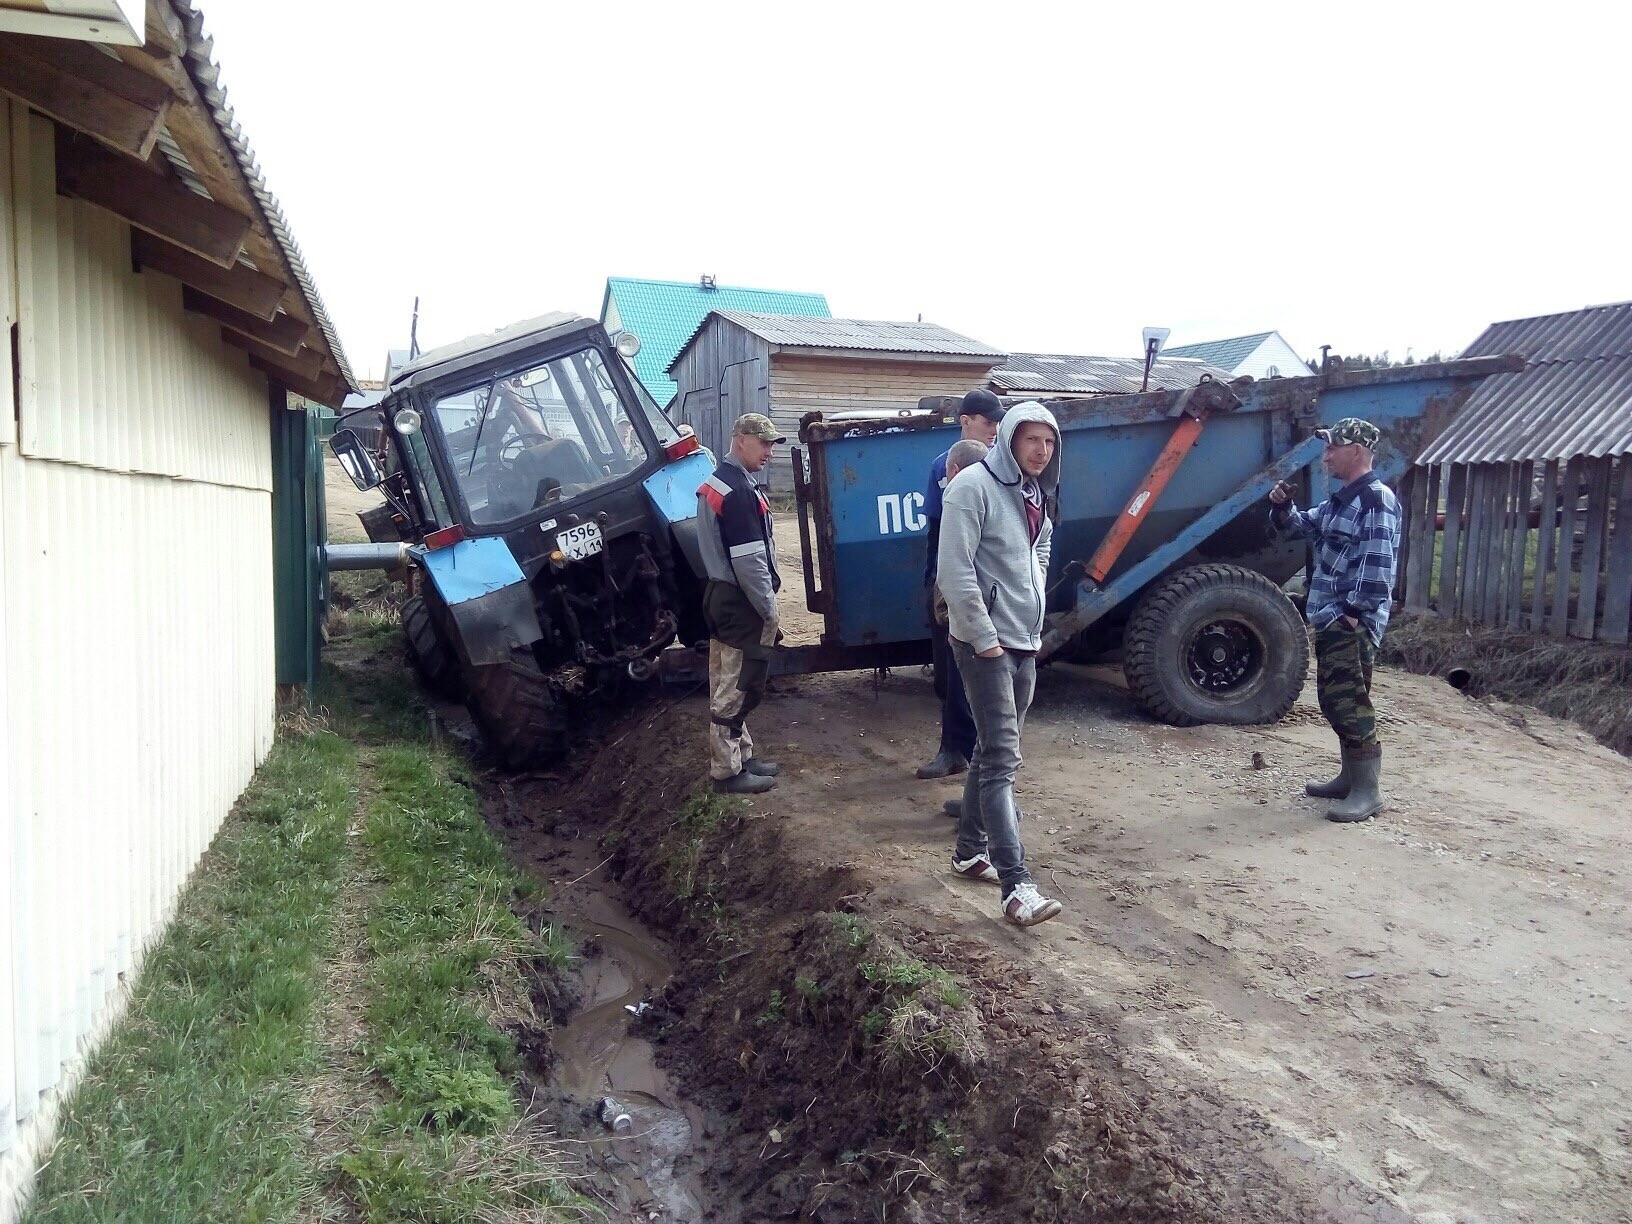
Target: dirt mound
{"points": [[865, 1065]]}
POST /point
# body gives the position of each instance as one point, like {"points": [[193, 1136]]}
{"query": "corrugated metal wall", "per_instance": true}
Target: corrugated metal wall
{"points": [[136, 605]]}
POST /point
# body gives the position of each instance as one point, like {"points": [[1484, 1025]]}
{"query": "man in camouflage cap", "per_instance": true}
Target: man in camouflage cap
{"points": [[1356, 534], [739, 603]]}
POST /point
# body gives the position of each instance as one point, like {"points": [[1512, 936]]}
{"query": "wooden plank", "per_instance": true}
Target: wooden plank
{"points": [[1496, 545], [331, 392], [1449, 569], [1467, 604], [239, 285], [1569, 491], [1548, 533], [87, 91], [161, 206], [1408, 494], [1420, 532], [1492, 514], [1618, 565], [284, 333], [306, 364], [1592, 552], [1519, 543]]}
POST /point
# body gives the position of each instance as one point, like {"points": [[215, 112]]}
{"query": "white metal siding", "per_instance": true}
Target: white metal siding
{"points": [[1274, 354], [137, 682]]}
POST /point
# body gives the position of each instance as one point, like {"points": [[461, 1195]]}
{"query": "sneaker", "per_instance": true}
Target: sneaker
{"points": [[1025, 906], [743, 783], [761, 768], [945, 764], [977, 868]]}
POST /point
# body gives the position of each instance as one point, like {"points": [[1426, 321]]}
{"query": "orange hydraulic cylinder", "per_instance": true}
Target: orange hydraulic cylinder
{"points": [[1150, 488]]}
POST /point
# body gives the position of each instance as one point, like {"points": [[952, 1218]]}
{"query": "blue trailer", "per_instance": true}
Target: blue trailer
{"points": [[1162, 559]]}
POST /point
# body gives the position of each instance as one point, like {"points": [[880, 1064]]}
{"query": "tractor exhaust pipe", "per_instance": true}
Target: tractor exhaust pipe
{"points": [[366, 556]]}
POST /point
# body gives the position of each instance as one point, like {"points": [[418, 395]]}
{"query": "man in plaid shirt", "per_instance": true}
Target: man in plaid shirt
{"points": [[1357, 539]]}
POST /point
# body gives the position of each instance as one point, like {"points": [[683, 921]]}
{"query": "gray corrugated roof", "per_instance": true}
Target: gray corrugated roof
{"points": [[1227, 353], [207, 78], [1574, 396], [1065, 374], [856, 335]]}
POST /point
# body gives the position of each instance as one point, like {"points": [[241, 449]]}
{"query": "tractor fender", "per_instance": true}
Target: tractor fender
{"points": [[487, 596], [673, 493]]}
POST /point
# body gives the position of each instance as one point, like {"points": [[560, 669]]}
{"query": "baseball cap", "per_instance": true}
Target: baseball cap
{"points": [[1351, 429], [758, 425], [982, 403]]}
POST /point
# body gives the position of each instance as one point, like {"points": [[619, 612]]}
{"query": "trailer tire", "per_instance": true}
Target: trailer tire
{"points": [[521, 715], [1215, 644], [433, 662]]}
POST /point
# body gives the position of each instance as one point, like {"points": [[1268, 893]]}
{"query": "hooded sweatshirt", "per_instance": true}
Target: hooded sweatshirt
{"points": [[990, 570]]}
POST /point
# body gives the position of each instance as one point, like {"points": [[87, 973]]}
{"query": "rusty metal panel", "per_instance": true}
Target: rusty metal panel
{"points": [[115, 373]]}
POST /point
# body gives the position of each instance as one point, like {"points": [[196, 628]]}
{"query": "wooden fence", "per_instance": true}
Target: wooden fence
{"points": [[1544, 547]]}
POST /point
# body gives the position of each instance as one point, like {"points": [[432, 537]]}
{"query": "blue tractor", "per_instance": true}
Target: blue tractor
{"points": [[546, 508]]}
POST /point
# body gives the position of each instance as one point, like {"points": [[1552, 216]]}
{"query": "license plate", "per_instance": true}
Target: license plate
{"points": [[581, 541]]}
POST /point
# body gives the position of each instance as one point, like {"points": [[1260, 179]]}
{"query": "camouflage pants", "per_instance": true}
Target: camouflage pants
{"points": [[1343, 661]]}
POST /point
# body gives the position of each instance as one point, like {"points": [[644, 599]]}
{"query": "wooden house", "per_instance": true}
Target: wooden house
{"points": [[1519, 514], [788, 365]]}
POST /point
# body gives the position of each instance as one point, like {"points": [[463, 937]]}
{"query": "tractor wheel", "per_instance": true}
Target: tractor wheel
{"points": [[438, 670], [520, 714], [1215, 644]]}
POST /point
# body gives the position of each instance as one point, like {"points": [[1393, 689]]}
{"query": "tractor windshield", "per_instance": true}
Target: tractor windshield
{"points": [[538, 436]]}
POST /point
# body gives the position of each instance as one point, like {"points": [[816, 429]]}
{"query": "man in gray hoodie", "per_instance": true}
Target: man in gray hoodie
{"points": [[992, 566]]}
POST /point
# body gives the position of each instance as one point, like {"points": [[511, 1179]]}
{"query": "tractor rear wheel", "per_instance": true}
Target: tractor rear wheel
{"points": [[1215, 644], [520, 713], [438, 670]]}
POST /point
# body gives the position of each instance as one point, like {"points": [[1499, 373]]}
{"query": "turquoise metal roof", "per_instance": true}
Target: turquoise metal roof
{"points": [[1226, 353], [664, 314]]}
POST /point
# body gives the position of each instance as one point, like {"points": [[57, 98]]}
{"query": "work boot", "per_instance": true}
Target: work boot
{"points": [[945, 764], [761, 768], [1337, 788], [744, 783], [1365, 799]]}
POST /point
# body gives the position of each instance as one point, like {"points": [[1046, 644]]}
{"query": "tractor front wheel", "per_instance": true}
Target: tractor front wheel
{"points": [[434, 663], [1215, 644]]}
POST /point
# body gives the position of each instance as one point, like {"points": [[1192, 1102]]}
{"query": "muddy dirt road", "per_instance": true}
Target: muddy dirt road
{"points": [[1436, 1005]]}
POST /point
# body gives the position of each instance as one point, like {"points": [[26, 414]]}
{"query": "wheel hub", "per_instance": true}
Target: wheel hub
{"points": [[1221, 656]]}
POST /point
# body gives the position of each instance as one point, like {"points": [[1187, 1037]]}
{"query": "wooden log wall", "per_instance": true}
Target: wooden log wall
{"points": [[1538, 547]]}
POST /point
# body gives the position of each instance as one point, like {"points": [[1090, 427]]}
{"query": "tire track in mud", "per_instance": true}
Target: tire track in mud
{"points": [[856, 1066]]}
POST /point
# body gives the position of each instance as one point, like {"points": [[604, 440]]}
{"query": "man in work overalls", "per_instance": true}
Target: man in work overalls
{"points": [[1357, 540], [739, 603]]}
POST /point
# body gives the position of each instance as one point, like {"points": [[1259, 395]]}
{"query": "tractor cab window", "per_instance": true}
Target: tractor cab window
{"points": [[542, 435]]}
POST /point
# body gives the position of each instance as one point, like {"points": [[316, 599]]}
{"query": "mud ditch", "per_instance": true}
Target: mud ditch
{"points": [[827, 1062]]}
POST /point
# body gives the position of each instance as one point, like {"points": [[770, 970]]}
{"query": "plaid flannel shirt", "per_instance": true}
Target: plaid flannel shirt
{"points": [[1357, 541]]}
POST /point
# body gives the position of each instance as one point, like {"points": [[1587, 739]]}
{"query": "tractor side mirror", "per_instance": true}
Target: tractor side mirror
{"points": [[355, 458]]}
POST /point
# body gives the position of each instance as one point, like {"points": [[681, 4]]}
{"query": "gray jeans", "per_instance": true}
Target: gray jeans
{"points": [[1000, 693]]}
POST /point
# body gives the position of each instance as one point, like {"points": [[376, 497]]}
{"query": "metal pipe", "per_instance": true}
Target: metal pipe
{"points": [[366, 556], [1459, 677]]}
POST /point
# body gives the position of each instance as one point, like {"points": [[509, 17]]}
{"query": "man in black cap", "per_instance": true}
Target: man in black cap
{"points": [[978, 418]]}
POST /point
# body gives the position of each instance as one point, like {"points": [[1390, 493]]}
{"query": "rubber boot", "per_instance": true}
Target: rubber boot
{"points": [[1365, 798], [761, 768], [1337, 788], [744, 783], [944, 765]]}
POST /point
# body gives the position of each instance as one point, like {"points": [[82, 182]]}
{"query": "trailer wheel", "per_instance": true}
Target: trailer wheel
{"points": [[434, 663], [521, 715], [1216, 644]]}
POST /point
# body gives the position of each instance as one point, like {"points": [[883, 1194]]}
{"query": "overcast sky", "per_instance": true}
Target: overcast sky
{"points": [[1039, 177]]}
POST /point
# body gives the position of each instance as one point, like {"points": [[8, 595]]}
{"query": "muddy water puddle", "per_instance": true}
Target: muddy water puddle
{"points": [[642, 1135]]}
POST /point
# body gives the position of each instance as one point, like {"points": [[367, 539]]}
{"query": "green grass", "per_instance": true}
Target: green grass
{"points": [[193, 1102], [356, 876]]}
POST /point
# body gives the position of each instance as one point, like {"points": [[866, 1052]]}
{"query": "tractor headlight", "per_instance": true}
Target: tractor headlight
{"points": [[406, 422]]}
